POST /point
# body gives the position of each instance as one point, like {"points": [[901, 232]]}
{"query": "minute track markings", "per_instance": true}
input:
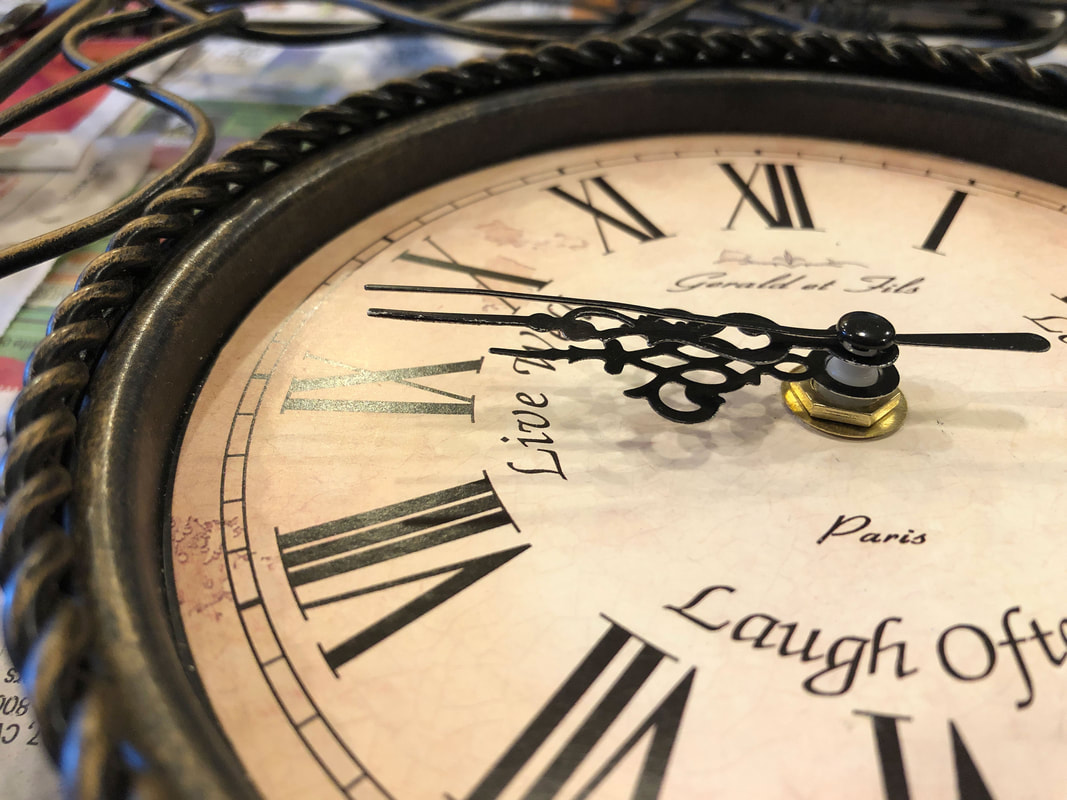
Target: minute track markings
{"points": [[256, 622]]}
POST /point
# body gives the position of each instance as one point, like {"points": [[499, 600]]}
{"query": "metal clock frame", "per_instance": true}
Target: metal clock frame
{"points": [[95, 432]]}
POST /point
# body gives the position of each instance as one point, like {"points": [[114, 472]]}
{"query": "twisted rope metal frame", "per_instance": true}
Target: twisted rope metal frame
{"points": [[47, 616], [179, 23], [189, 21]]}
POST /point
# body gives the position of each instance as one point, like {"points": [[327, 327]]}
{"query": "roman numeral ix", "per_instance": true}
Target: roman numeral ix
{"points": [[302, 391]]}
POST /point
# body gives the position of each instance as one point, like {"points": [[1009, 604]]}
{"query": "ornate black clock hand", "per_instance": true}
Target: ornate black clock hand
{"points": [[577, 326], [666, 333], [847, 373]]}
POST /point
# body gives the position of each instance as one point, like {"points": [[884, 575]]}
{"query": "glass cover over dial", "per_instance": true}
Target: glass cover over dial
{"points": [[408, 568]]}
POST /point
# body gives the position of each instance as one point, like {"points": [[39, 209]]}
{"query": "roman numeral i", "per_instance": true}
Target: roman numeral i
{"points": [[944, 221]]}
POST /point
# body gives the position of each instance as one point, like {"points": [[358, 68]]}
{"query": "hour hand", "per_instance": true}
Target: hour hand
{"points": [[849, 367], [680, 350], [658, 327]]}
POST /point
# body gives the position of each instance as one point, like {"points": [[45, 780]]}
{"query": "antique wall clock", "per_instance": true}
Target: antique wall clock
{"points": [[291, 548]]}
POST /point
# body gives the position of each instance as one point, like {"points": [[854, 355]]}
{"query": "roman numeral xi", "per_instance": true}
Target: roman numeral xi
{"points": [[607, 206], [327, 563]]}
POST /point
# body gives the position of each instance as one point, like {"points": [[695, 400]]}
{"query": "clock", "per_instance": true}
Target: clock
{"points": [[289, 548]]}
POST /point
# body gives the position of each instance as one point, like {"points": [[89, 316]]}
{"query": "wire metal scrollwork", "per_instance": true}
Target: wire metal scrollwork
{"points": [[680, 355]]}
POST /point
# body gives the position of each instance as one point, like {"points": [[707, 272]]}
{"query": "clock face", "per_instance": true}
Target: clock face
{"points": [[405, 567]]}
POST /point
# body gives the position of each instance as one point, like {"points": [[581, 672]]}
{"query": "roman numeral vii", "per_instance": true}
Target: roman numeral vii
{"points": [[555, 766]]}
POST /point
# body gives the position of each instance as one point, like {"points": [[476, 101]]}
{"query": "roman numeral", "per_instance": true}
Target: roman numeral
{"points": [[773, 175], [324, 563], [297, 399], [948, 214], [660, 726], [623, 216], [480, 275], [969, 783]]}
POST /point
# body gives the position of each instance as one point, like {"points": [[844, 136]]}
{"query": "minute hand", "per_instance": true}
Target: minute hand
{"points": [[814, 338], [1019, 342]]}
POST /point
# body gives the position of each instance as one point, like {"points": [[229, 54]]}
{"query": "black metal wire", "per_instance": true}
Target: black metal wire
{"points": [[103, 223], [1027, 28], [39, 50]]}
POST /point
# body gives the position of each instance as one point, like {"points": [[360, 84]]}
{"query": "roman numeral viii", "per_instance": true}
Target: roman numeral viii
{"points": [[587, 734], [302, 391], [597, 195], [334, 561], [779, 180]]}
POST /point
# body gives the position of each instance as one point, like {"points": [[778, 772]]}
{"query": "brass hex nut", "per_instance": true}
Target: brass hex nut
{"points": [[871, 420], [864, 416]]}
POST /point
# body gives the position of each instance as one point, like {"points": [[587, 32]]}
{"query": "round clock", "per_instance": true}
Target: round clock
{"points": [[314, 533]]}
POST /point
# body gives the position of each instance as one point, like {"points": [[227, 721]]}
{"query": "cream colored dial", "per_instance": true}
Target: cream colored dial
{"points": [[408, 568]]}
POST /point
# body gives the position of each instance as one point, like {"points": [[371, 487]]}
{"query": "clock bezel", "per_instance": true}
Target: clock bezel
{"points": [[129, 431]]}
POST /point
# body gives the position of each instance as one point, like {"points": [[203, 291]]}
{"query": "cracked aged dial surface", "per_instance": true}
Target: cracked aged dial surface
{"points": [[406, 568]]}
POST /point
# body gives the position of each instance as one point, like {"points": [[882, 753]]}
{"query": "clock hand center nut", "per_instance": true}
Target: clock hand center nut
{"points": [[856, 394]]}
